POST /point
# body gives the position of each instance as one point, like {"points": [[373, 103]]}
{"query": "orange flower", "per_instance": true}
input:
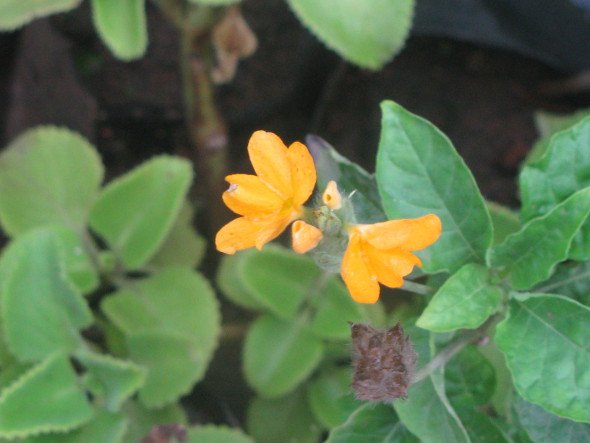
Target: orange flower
{"points": [[268, 201], [305, 236], [380, 253]]}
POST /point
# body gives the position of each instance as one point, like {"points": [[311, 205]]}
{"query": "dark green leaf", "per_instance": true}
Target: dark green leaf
{"points": [[570, 279], [504, 221], [419, 172], [482, 428], [142, 420], [217, 434], [16, 13]]}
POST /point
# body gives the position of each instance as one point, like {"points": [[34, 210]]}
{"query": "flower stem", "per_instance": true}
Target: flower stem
{"points": [[417, 288]]}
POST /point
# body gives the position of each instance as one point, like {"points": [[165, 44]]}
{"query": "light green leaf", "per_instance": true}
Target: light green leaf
{"points": [[372, 423], [419, 172], [545, 339], [231, 282], [217, 434], [46, 398], [135, 212], [142, 420], [570, 279], [504, 221], [465, 300], [48, 175], [121, 26], [113, 380], [530, 255], [543, 427], [41, 310], [282, 420], [279, 355], [16, 13], [368, 34]]}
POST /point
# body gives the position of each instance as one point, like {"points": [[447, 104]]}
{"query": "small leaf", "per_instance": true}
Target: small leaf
{"points": [[285, 419], [465, 300], [48, 175], [142, 420], [367, 34], [217, 434], [231, 282], [279, 355], [372, 423], [545, 339], [135, 212], [530, 255], [504, 221], [46, 398], [483, 428], [419, 172], [16, 13], [121, 26]]}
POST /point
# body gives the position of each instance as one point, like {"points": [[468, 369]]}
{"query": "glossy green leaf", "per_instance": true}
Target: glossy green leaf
{"points": [[419, 172], [543, 427], [48, 175], [231, 282], [216, 434], [16, 13], [183, 246], [465, 300], [352, 180], [330, 397], [372, 423], [141, 420], [121, 26], [570, 279], [504, 221], [545, 339], [113, 380], [282, 420], [367, 34], [279, 355], [41, 310], [136, 212], [46, 398], [530, 255]]}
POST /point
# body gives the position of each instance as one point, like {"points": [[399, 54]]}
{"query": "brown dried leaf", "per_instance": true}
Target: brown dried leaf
{"points": [[171, 433]]}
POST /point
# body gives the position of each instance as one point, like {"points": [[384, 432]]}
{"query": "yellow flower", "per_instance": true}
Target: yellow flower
{"points": [[268, 201], [305, 236], [380, 253]]}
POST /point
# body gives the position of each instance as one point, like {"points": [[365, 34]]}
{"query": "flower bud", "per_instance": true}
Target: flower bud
{"points": [[305, 236], [331, 196]]}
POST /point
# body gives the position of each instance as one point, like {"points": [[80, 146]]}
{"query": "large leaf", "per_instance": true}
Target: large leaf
{"points": [[135, 212], [530, 255], [41, 311], [372, 424], [279, 355], [482, 428], [48, 175], [16, 13], [46, 398], [231, 282], [545, 339], [504, 221], [465, 300], [122, 26], [571, 279], [216, 434], [419, 172], [368, 34]]}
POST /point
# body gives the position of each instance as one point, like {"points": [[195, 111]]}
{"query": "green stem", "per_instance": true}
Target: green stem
{"points": [[417, 288]]}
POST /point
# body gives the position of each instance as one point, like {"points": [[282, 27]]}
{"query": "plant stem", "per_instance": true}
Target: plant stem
{"points": [[417, 288]]}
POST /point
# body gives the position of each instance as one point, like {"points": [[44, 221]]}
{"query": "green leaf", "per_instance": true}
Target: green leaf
{"points": [[545, 339], [46, 398], [231, 282], [214, 2], [16, 13], [183, 246], [142, 420], [367, 34], [530, 255], [48, 175], [352, 180], [279, 355], [330, 397], [372, 423], [282, 420], [136, 212], [121, 26], [419, 172], [465, 300], [217, 434], [570, 279], [483, 428], [171, 321], [504, 221], [542, 426], [41, 310], [114, 380]]}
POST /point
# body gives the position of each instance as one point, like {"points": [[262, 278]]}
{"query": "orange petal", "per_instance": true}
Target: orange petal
{"points": [[243, 233], [305, 236], [390, 266], [409, 234], [303, 173], [268, 155], [248, 195], [272, 228], [357, 276], [331, 196]]}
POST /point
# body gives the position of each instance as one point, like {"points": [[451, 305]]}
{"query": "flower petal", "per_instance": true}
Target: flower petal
{"points": [[305, 237], [390, 266], [409, 234], [268, 155], [303, 173], [357, 276], [248, 195], [243, 233]]}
